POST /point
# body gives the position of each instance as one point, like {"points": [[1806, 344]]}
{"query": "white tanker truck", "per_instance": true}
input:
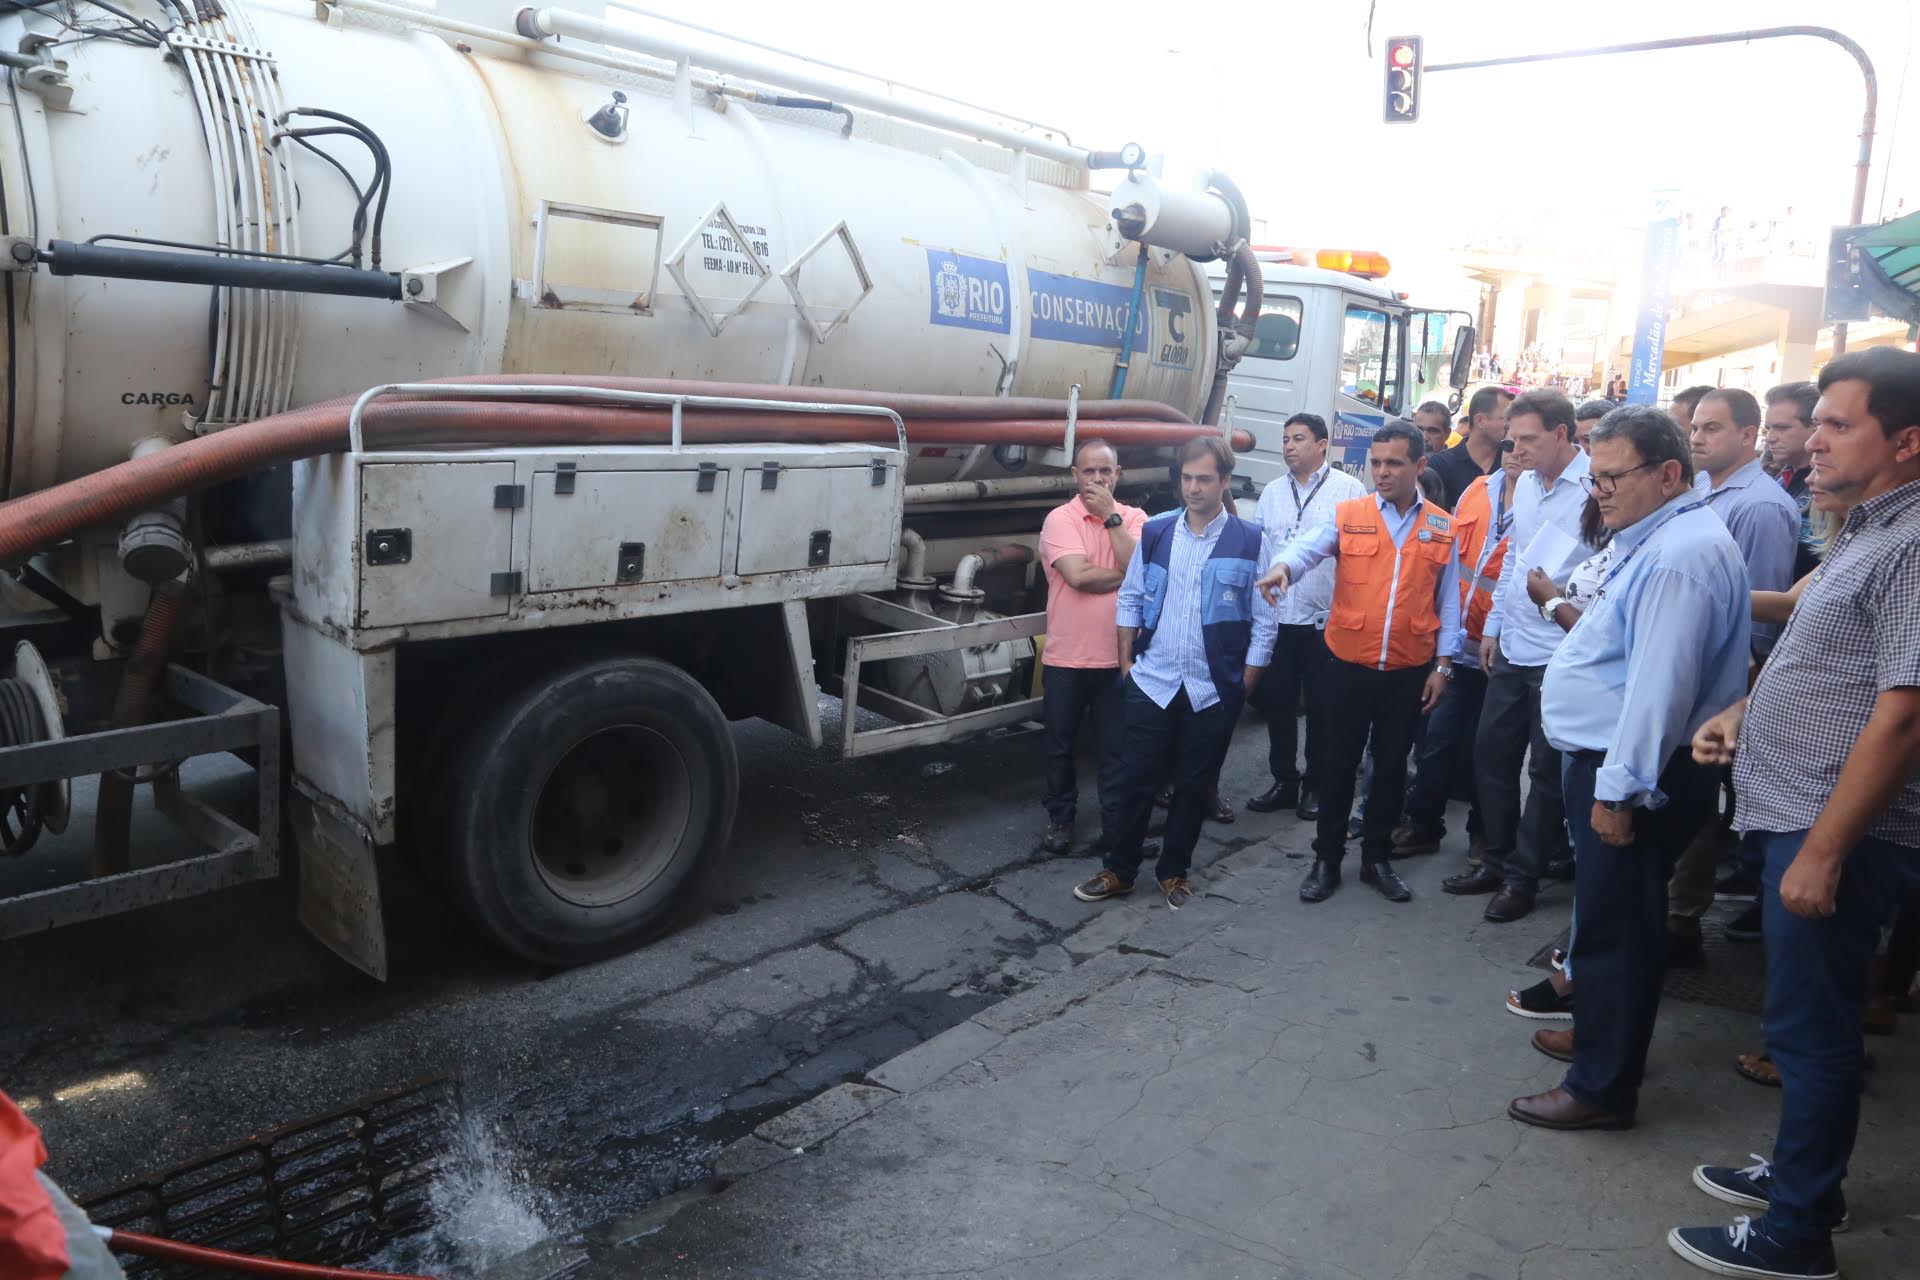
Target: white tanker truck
{"points": [[514, 397]]}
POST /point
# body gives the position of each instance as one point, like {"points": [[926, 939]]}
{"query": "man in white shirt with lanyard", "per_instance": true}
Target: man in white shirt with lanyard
{"points": [[1303, 500]]}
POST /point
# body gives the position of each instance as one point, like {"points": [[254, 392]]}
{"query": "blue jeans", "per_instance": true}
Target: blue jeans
{"points": [[1620, 947], [1172, 741], [1816, 991], [1068, 697]]}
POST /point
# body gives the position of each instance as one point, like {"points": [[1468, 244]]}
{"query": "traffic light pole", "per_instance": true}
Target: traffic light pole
{"points": [[1861, 166]]}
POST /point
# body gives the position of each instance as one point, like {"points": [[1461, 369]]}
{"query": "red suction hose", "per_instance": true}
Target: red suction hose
{"points": [[245, 1264], [39, 520]]}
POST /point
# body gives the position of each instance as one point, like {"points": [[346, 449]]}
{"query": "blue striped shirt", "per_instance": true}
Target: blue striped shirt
{"points": [[1177, 658]]}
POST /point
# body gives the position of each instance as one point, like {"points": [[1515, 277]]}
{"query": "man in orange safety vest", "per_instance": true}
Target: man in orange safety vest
{"points": [[1393, 632]]}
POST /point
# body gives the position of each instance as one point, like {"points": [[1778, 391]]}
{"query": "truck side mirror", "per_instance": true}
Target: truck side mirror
{"points": [[1462, 357]]}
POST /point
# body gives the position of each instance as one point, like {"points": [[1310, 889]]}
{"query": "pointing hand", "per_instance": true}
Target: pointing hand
{"points": [[1277, 577]]}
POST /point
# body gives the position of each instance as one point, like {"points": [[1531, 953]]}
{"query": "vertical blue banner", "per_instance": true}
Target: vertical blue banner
{"points": [[1650, 330]]}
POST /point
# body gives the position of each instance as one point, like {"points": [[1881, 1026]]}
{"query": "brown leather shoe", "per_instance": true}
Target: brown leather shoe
{"points": [[1104, 885], [1178, 892], [1220, 811], [1558, 1109], [1555, 1042]]}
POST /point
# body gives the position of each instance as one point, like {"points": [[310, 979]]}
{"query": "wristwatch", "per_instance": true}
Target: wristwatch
{"points": [[1113, 520], [1546, 610], [1446, 672]]}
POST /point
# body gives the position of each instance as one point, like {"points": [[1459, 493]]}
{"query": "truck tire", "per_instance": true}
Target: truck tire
{"points": [[583, 807]]}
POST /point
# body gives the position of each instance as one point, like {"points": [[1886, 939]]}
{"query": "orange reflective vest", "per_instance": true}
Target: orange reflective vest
{"points": [[1481, 556], [33, 1243], [1384, 614]]}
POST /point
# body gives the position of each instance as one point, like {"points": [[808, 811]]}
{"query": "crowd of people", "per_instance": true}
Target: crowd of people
{"points": [[1695, 630]]}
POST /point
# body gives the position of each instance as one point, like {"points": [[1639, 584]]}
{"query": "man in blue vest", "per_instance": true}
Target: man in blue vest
{"points": [[1194, 639]]}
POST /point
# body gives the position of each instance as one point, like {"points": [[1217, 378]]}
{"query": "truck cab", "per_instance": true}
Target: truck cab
{"points": [[1341, 344]]}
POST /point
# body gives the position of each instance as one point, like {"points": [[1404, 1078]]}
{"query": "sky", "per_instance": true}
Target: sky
{"points": [[1287, 98]]}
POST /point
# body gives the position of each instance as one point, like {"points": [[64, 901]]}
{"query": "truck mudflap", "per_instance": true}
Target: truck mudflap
{"points": [[339, 882]]}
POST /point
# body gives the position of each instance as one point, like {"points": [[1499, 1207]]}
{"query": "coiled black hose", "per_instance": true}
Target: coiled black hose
{"points": [[23, 808]]}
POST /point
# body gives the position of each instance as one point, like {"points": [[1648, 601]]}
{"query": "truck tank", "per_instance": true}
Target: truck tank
{"points": [[560, 208]]}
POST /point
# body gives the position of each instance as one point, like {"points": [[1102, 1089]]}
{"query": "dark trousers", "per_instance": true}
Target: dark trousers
{"points": [[1518, 842], [1816, 991], [1361, 701], [1620, 948], [1173, 742], [1446, 757], [1299, 655], [1069, 695]]}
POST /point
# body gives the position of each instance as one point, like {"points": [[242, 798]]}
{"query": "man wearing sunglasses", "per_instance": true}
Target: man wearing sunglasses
{"points": [[1662, 646]]}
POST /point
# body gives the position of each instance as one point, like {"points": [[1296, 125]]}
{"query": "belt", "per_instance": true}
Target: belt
{"points": [[1586, 757]]}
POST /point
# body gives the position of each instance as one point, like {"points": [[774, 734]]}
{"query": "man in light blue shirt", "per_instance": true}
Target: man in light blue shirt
{"points": [[1762, 517], [1765, 523], [1547, 501], [1662, 646], [1191, 644]]}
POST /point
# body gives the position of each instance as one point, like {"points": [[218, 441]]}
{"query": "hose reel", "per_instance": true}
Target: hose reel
{"points": [[29, 713]]}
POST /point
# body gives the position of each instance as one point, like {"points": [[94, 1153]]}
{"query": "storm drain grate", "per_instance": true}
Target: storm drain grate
{"points": [[332, 1190], [1734, 976]]}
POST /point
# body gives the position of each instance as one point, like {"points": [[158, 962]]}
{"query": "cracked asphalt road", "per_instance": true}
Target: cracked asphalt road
{"points": [[864, 908], [1257, 1088]]}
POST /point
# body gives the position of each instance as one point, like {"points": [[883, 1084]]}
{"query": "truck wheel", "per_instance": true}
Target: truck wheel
{"points": [[583, 806]]}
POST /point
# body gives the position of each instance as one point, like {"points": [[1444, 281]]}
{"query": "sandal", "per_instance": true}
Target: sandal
{"points": [[1540, 1001]]}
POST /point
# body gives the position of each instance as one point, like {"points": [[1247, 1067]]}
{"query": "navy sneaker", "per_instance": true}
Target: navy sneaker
{"points": [[1750, 1188], [1744, 1249]]}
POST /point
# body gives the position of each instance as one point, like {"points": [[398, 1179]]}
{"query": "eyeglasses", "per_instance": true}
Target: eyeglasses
{"points": [[1603, 484]]}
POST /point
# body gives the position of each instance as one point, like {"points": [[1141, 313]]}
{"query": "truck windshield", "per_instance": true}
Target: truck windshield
{"points": [[1276, 334], [1369, 370]]}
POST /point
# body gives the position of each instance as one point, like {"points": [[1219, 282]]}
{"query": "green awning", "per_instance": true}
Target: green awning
{"points": [[1891, 252]]}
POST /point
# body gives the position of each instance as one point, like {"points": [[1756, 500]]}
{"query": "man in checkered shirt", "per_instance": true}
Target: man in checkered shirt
{"points": [[1826, 759]]}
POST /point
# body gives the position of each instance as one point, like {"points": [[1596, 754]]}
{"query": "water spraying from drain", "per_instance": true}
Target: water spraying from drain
{"points": [[481, 1209]]}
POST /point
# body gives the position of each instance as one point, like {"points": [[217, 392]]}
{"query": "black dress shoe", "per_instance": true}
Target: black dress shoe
{"points": [[1309, 810], [1059, 837], [1281, 795], [1320, 883], [1509, 904], [1560, 869], [1475, 880], [1383, 877]]}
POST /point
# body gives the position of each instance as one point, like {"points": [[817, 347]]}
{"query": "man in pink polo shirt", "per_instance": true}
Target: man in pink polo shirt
{"points": [[1084, 546]]}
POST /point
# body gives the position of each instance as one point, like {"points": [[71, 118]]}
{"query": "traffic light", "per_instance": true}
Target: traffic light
{"points": [[1403, 78]]}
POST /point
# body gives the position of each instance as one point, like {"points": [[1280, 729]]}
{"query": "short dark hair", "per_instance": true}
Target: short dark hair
{"points": [[1094, 442], [1652, 432], [1432, 488], [1893, 383], [1691, 396], [1555, 410], [1741, 404], [1804, 396], [1312, 421], [1591, 409], [1486, 400], [1400, 429], [1208, 446], [1434, 406]]}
